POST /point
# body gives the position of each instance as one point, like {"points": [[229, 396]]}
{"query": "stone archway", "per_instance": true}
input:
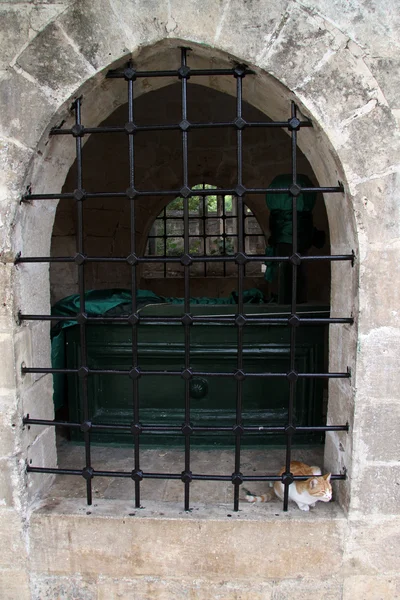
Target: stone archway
{"points": [[48, 171]]}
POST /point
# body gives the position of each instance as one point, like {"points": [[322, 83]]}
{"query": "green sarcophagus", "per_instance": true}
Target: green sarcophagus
{"points": [[213, 349]]}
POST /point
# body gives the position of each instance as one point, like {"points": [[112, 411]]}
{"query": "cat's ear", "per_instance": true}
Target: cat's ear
{"points": [[327, 477], [313, 483]]}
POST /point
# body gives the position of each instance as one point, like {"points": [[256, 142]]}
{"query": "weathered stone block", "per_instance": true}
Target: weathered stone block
{"points": [[63, 275], [299, 32], [6, 297], [371, 588], [7, 367], [379, 298], [200, 22], [14, 585], [149, 588], [12, 548], [376, 490], [378, 429], [35, 222], [37, 401], [74, 587], [371, 128], [53, 62], [371, 25], [304, 589], [346, 99], [343, 86], [9, 422], [377, 212], [41, 347], [33, 289], [14, 32], [96, 31], [378, 363], [14, 160], [186, 547], [42, 453], [15, 92], [8, 474], [141, 21], [238, 31], [385, 71], [372, 547]]}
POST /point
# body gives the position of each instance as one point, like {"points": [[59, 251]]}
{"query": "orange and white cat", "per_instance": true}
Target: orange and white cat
{"points": [[304, 493]]}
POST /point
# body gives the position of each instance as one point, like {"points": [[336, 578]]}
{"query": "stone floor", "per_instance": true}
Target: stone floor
{"points": [[171, 460]]}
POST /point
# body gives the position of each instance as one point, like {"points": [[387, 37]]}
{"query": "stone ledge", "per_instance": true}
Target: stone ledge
{"points": [[112, 538], [117, 509]]}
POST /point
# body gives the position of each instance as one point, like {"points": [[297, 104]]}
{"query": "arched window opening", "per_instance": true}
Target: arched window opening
{"points": [[213, 231], [234, 367]]}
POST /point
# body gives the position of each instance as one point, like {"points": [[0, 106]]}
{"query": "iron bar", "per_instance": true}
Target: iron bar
{"points": [[217, 191], [178, 127], [81, 287], [135, 364], [237, 476], [195, 476], [226, 320], [121, 74], [187, 428], [177, 259], [147, 373], [292, 376], [259, 429]]}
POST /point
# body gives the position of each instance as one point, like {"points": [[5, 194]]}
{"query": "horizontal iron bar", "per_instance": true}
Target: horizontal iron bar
{"points": [[177, 429], [198, 477], [119, 74], [176, 193], [177, 127], [276, 124], [250, 320], [229, 320], [176, 259], [144, 373]]}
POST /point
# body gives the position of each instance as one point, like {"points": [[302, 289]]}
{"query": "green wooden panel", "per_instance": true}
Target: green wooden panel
{"points": [[213, 349]]}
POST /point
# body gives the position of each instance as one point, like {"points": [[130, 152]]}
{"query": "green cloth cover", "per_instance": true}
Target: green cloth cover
{"points": [[115, 302]]}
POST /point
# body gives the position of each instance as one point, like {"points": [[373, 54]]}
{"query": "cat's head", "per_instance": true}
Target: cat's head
{"points": [[320, 488]]}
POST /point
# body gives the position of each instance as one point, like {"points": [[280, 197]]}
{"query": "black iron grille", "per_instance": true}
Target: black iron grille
{"points": [[240, 320]]}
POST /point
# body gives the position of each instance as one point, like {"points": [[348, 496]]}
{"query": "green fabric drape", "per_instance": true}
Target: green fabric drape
{"points": [[281, 219]]}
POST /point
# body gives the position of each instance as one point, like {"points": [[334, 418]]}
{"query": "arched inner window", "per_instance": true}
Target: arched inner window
{"points": [[213, 231]]}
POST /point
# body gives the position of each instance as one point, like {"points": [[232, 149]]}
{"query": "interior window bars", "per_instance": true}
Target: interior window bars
{"points": [[213, 231]]}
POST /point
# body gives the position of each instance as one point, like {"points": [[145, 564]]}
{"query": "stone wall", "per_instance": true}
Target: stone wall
{"points": [[339, 62]]}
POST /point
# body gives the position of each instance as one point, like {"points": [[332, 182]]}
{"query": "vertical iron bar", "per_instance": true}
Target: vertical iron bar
{"points": [[186, 268], [135, 380], [224, 231], [165, 239], [81, 288], [203, 200], [239, 384], [292, 381]]}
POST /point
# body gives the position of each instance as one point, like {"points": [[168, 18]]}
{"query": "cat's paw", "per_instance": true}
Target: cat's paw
{"points": [[304, 507], [250, 499]]}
